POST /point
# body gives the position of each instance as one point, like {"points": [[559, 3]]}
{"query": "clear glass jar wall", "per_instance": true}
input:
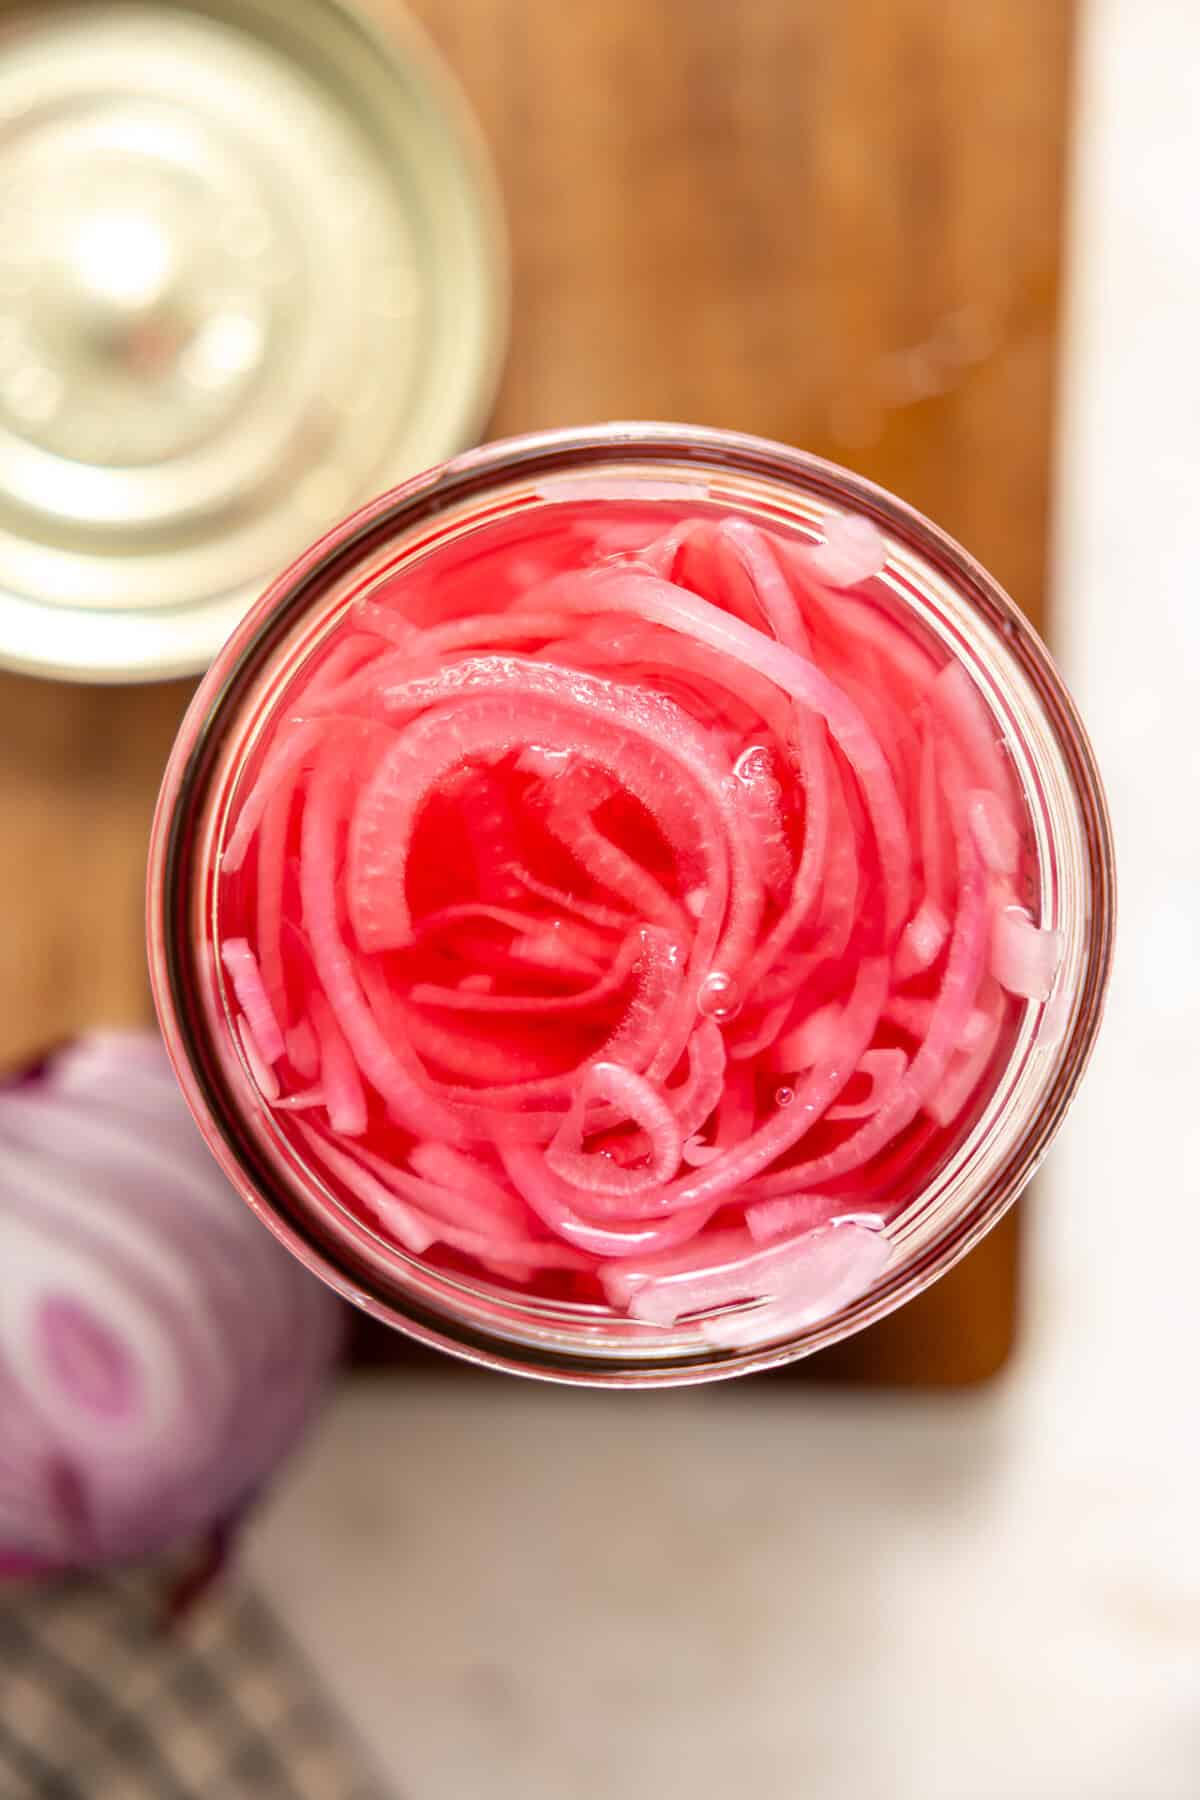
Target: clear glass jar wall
{"points": [[946, 597]]}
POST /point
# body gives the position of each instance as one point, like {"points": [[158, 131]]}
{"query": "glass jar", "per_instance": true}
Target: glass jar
{"points": [[955, 601]]}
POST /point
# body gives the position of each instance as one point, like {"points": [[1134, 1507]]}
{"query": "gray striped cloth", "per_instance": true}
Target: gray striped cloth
{"points": [[99, 1700]]}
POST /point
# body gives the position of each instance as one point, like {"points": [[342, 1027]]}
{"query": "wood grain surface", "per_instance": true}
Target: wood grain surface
{"points": [[835, 223]]}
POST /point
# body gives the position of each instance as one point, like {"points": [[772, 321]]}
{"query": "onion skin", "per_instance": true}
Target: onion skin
{"points": [[160, 1354]]}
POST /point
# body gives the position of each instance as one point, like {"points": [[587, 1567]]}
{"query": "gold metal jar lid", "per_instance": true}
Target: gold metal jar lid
{"points": [[252, 270]]}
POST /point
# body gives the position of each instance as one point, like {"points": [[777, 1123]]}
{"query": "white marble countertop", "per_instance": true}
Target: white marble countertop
{"points": [[812, 1596]]}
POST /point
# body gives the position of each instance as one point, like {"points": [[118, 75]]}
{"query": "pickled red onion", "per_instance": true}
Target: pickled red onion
{"points": [[565, 923]]}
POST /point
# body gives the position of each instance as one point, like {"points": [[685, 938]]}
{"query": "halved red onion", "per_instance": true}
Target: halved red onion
{"points": [[159, 1352]]}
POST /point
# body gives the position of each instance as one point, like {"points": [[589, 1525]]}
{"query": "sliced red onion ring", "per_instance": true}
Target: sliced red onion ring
{"points": [[242, 965], [1025, 956], [809, 1277], [853, 551]]}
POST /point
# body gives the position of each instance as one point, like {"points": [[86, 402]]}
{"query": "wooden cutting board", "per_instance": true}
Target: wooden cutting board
{"points": [[833, 223]]}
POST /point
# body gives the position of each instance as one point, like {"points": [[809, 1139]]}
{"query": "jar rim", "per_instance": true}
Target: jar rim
{"points": [[350, 545]]}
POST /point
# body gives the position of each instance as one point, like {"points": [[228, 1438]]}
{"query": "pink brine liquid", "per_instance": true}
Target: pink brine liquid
{"points": [[632, 904]]}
